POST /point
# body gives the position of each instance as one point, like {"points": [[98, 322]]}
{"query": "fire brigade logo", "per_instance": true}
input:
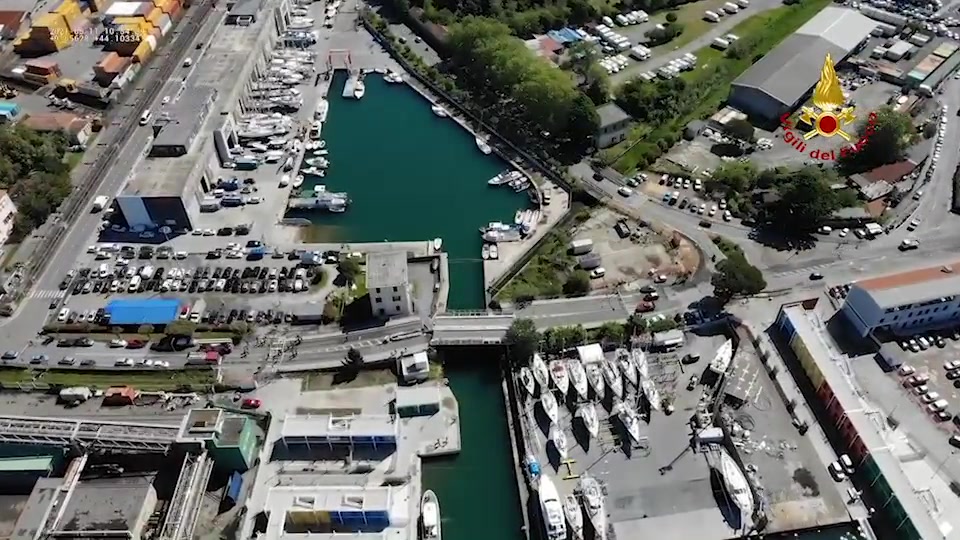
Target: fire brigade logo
{"points": [[828, 116]]}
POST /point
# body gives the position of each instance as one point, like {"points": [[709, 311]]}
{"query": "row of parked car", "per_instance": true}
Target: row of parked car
{"points": [[918, 385], [923, 342]]}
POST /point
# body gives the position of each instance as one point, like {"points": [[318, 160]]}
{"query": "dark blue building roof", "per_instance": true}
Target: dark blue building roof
{"points": [[156, 311]]}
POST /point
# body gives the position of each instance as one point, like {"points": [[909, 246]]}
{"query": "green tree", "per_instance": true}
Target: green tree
{"points": [[561, 338], [145, 329], [671, 17], [523, 339], [613, 332], [577, 284], [732, 177], [181, 328], [350, 269], [805, 200], [886, 141], [662, 325], [736, 276], [740, 129], [331, 311]]}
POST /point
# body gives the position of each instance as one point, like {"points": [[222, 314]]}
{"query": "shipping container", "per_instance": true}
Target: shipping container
{"points": [[166, 28], [176, 11], [163, 22], [928, 64], [157, 35], [143, 52], [945, 50], [155, 14], [111, 63], [151, 42], [122, 9], [69, 9], [41, 66], [81, 26]]}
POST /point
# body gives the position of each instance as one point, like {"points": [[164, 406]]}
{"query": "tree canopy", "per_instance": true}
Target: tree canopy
{"points": [[33, 171], [892, 133], [736, 276], [523, 338], [518, 85], [805, 199]]}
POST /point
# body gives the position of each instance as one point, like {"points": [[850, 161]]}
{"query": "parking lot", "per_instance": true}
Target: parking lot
{"points": [[924, 373]]}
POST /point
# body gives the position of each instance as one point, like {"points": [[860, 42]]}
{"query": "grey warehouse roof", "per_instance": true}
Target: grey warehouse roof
{"points": [[790, 70], [386, 269], [186, 117], [611, 114]]}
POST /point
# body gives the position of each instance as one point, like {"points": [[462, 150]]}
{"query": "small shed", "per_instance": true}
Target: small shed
{"points": [[414, 368], [668, 339], [421, 400], [590, 353], [120, 396]]}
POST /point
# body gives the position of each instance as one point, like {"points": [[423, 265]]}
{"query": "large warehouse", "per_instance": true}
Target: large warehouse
{"points": [[780, 81]]}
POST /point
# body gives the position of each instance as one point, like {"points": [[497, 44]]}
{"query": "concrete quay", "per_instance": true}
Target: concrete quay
{"points": [[422, 248]]}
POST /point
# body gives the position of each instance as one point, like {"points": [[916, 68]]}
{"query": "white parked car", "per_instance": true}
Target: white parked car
{"points": [[118, 343], [951, 365], [624, 191], [906, 369], [595, 273]]}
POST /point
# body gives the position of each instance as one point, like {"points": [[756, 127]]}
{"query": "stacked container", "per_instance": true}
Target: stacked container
{"points": [[109, 67], [73, 13], [50, 33], [40, 71]]}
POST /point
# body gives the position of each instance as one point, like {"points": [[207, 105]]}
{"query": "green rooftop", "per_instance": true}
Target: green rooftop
{"points": [[28, 463]]}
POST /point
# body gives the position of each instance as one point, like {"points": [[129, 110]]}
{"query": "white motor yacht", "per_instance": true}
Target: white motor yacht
{"points": [[593, 503], [595, 377], [561, 379], [503, 178], [551, 509], [518, 217], [631, 421], [437, 244], [588, 413], [494, 252], [439, 111], [612, 376], [540, 372], [722, 360], [559, 440], [578, 378], [483, 146], [627, 367], [526, 379], [736, 484], [550, 408], [430, 516], [323, 107], [298, 181], [359, 89], [571, 507], [485, 254]]}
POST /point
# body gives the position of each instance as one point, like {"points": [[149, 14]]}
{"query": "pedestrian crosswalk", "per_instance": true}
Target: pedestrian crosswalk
{"points": [[47, 294]]}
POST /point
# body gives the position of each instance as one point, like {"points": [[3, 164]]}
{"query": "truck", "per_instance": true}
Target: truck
{"points": [[581, 246], [720, 43], [873, 230], [203, 358], [100, 203], [75, 395], [710, 16], [730, 8]]}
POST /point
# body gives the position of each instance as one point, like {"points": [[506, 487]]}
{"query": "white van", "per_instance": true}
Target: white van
{"points": [[134, 284], [145, 117], [64, 313], [938, 405]]}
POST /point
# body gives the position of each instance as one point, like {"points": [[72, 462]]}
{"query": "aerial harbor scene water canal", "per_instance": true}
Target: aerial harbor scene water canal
{"points": [[411, 175]]}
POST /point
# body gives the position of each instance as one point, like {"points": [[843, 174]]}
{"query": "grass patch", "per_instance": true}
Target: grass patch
{"points": [[711, 80], [691, 17], [545, 274], [728, 247], [150, 381]]}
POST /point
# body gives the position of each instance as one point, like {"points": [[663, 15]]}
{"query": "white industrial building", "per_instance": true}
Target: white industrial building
{"points": [[367, 513], [388, 284], [906, 302], [8, 213]]}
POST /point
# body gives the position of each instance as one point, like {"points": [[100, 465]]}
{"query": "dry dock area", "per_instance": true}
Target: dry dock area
{"points": [[664, 486]]}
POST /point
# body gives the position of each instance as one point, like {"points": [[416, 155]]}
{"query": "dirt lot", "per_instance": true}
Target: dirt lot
{"points": [[632, 259]]}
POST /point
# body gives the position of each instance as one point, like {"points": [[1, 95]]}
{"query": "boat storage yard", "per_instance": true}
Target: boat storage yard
{"points": [[678, 452]]}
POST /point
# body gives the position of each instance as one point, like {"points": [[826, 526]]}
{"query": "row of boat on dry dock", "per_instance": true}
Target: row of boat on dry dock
{"points": [[571, 515]]}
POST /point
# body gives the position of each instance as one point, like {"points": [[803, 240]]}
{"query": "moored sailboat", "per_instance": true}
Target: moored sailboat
{"points": [[588, 413], [578, 378], [550, 407], [558, 372], [526, 379], [540, 373], [571, 507], [593, 503]]}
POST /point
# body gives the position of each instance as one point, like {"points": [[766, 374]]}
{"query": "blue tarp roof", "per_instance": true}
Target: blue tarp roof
{"points": [[156, 311], [570, 34], [558, 37]]}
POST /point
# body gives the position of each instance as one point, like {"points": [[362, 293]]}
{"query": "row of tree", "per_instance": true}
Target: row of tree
{"points": [[32, 170], [523, 94]]}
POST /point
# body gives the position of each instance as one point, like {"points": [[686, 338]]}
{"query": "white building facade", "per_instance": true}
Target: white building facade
{"points": [[8, 213], [905, 303], [388, 285]]}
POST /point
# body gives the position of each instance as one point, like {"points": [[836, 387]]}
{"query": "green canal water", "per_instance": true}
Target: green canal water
{"points": [[411, 176]]}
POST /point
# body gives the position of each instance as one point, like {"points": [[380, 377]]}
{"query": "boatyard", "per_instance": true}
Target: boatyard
{"points": [[682, 438]]}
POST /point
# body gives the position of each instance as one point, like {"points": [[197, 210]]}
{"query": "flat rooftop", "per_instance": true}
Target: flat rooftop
{"points": [[106, 504], [34, 511], [396, 501], [913, 286], [228, 49], [231, 430], [388, 269], [326, 425]]}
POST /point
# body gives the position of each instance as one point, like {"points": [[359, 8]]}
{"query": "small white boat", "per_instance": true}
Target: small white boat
{"points": [[298, 181], [518, 217], [439, 111], [588, 413], [359, 89], [288, 164], [527, 380], [594, 505], [540, 372], [627, 367], [323, 107], [595, 377], [430, 516], [550, 407], [578, 377], [736, 484], [393, 77], [285, 180], [722, 360], [503, 178], [483, 146], [314, 171], [571, 507], [494, 252], [437, 244], [559, 440], [551, 509], [612, 376], [485, 252], [561, 379], [631, 422], [318, 162]]}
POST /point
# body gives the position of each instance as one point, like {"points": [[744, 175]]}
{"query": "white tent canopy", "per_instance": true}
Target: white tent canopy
{"points": [[590, 353]]}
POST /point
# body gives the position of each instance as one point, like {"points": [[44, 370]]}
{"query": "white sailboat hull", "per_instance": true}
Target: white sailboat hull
{"points": [[631, 423], [613, 379], [559, 440], [550, 408], [650, 390], [595, 377], [723, 358], [629, 372], [588, 413], [578, 378], [594, 505], [736, 484], [540, 373], [558, 372], [430, 525], [527, 380], [571, 507]]}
